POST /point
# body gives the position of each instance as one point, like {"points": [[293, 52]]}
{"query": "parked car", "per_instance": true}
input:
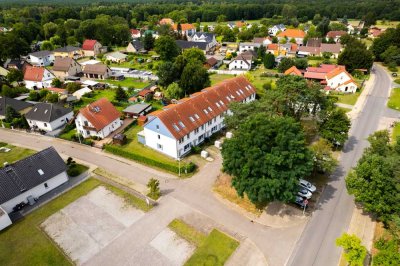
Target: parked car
{"points": [[307, 185], [394, 74], [304, 193], [300, 201]]}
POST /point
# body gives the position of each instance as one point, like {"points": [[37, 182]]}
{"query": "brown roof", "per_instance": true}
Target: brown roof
{"points": [[272, 46], [292, 33], [331, 47], [144, 92], [314, 75], [62, 63], [100, 113], [204, 106], [184, 26], [212, 61], [99, 69], [336, 33], [314, 42], [33, 73], [310, 49]]}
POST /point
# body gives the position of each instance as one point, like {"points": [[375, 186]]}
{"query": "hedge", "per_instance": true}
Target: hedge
{"points": [[185, 168]]}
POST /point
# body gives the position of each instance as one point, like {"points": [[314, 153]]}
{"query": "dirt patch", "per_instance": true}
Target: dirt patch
{"points": [[280, 215], [90, 223], [175, 248]]}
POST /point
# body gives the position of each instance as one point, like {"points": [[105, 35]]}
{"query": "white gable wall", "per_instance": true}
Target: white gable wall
{"points": [[52, 125], [239, 64]]}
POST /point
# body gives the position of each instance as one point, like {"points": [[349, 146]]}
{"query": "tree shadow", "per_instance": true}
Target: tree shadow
{"points": [[350, 144]]}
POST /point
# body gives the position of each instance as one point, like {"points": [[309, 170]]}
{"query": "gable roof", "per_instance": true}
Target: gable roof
{"points": [[15, 104], [184, 27], [314, 42], [88, 45], [331, 47], [62, 63], [137, 44], [40, 53], [272, 46], [203, 106], [292, 33], [134, 31], [29, 172], [186, 45], [100, 113], [117, 55], [335, 33], [207, 36], [336, 71], [310, 49], [99, 69], [212, 61], [47, 112], [293, 71], [67, 49], [34, 73]]}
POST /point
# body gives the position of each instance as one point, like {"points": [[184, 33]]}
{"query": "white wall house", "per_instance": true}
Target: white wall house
{"points": [[241, 62], [41, 58], [276, 29], [29, 179], [98, 119], [178, 128], [342, 81], [37, 78], [248, 46], [48, 116]]}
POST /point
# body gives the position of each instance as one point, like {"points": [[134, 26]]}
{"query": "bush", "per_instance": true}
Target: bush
{"points": [[392, 66], [397, 81], [196, 149], [73, 171], [188, 168]]}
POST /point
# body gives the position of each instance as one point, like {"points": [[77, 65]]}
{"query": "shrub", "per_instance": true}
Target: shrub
{"points": [[392, 66], [73, 171], [397, 81]]}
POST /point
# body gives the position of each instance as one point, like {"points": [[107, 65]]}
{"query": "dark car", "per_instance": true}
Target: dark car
{"points": [[300, 201], [394, 74]]}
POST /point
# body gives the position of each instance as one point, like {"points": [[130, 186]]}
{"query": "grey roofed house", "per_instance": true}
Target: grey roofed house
{"points": [[99, 69], [206, 36], [138, 109], [14, 63], [15, 104], [314, 42], [46, 112], [67, 49], [29, 172], [41, 53], [138, 45], [62, 64], [187, 45]]}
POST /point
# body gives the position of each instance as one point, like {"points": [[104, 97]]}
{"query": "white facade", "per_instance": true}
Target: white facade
{"points": [[239, 64], [86, 129], [44, 83], [342, 82], [5, 220], [243, 47], [41, 60], [159, 138], [275, 30], [36, 192], [50, 126]]}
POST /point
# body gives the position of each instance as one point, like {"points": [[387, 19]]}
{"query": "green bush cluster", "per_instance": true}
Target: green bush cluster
{"points": [[185, 168]]}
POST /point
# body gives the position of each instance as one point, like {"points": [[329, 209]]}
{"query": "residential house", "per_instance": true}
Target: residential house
{"points": [[91, 48], [243, 61], [145, 94], [19, 64], [37, 77], [68, 51], [206, 37], [314, 42], [65, 67], [350, 29], [135, 46], [166, 21], [296, 34], [284, 50], [187, 45], [274, 30], [263, 40], [237, 24], [186, 29], [41, 58], [48, 116], [98, 119], [248, 46], [135, 34], [116, 57], [374, 32], [332, 48], [174, 130], [30, 178], [19, 106], [97, 71], [293, 71], [335, 35], [212, 62], [228, 48], [136, 110]]}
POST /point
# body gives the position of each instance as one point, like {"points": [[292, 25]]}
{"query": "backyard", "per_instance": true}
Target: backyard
{"points": [[127, 83], [15, 154]]}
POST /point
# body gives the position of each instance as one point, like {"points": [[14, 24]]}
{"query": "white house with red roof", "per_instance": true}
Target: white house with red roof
{"points": [[174, 130], [37, 77], [98, 119], [135, 34], [91, 47]]}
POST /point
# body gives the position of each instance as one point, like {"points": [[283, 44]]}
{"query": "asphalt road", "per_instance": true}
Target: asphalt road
{"points": [[317, 246]]}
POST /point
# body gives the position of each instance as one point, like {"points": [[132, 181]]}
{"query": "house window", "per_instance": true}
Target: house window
{"points": [[45, 124], [159, 146], [159, 137], [202, 127], [158, 127], [45, 185]]}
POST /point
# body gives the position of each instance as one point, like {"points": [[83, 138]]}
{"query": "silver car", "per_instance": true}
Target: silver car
{"points": [[304, 193], [307, 185]]}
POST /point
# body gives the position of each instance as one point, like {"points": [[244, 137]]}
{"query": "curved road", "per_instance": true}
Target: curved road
{"points": [[317, 246]]}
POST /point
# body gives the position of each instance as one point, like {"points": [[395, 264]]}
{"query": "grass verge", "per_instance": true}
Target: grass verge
{"points": [[130, 199], [394, 100], [215, 250], [187, 232]]}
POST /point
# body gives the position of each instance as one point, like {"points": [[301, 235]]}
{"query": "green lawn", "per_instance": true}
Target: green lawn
{"points": [[187, 232], [16, 153], [215, 250], [68, 135], [24, 243], [348, 98], [395, 132], [128, 82], [217, 78], [394, 101]]}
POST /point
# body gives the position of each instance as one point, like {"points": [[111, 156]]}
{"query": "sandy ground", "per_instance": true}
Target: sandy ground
{"points": [[176, 249], [90, 223]]}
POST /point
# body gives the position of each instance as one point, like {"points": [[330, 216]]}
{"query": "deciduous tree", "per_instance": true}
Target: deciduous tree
{"points": [[355, 253]]}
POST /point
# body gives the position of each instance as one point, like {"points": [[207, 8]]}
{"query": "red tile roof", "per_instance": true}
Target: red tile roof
{"points": [[335, 33], [272, 46], [88, 45], [292, 33], [100, 113], [34, 73], [293, 71], [204, 106], [56, 90], [144, 92], [184, 26], [314, 75], [135, 31]]}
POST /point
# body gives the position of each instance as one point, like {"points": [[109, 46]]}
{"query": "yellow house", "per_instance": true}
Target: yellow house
{"points": [[68, 51]]}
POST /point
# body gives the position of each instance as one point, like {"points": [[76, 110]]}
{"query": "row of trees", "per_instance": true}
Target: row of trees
{"points": [[269, 151], [386, 47]]}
